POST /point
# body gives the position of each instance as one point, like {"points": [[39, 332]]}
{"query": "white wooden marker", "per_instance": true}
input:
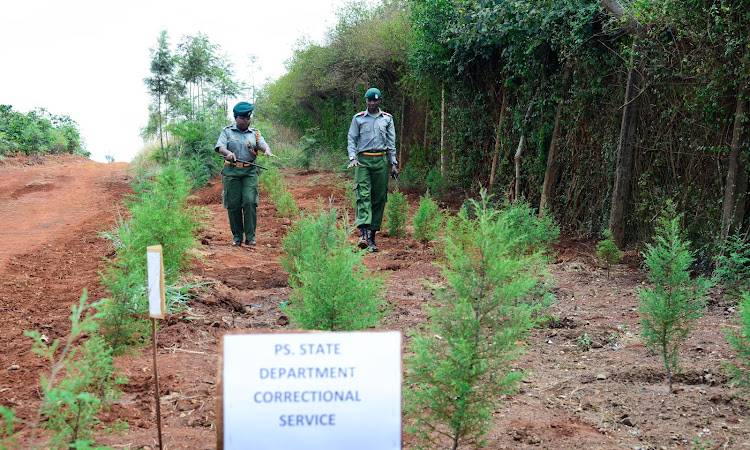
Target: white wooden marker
{"points": [[310, 390], [156, 296], [157, 305]]}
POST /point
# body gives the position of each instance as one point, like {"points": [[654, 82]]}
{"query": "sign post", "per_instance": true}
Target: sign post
{"points": [[156, 308], [312, 390]]}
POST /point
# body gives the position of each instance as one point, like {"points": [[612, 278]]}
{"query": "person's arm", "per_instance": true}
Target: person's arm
{"points": [[267, 151], [224, 151], [390, 145], [221, 147], [352, 140], [263, 145]]}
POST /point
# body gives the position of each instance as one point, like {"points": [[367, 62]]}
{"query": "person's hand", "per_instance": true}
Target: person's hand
{"points": [[394, 171], [230, 157], [353, 163], [267, 152]]}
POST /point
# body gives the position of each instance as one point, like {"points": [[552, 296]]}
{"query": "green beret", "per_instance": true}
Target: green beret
{"points": [[243, 109], [373, 94]]}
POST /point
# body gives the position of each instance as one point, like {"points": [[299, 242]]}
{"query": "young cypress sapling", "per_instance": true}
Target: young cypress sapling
{"points": [[739, 339], [733, 264], [608, 251], [670, 308], [82, 382], [427, 220], [332, 290], [461, 363], [397, 212]]}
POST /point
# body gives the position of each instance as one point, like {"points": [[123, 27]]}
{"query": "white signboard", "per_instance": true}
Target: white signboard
{"points": [[311, 390], [156, 296]]}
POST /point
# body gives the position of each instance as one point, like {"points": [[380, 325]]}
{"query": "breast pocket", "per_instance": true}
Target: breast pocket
{"points": [[366, 131], [234, 146]]}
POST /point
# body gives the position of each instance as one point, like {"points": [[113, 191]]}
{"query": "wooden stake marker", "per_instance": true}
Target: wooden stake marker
{"points": [[311, 390], [156, 308]]}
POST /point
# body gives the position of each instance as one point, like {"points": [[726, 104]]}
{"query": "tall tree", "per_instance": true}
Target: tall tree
{"points": [[628, 125], [224, 83], [197, 60], [162, 70]]}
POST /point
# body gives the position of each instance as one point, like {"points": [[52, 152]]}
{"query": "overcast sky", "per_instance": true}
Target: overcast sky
{"points": [[87, 59]]}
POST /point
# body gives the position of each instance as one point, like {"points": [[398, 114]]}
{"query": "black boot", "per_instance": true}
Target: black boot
{"points": [[363, 239], [371, 242]]}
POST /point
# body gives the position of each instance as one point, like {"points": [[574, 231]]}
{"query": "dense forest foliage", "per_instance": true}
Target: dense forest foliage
{"points": [[38, 131], [596, 112]]}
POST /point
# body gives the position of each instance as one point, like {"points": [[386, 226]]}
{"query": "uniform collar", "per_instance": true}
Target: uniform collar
{"points": [[379, 113], [234, 128]]}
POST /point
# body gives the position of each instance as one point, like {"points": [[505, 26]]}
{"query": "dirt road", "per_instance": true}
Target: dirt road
{"points": [[608, 394], [51, 210]]}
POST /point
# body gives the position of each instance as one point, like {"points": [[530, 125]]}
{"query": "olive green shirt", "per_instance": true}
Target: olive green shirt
{"points": [[237, 141], [369, 133]]}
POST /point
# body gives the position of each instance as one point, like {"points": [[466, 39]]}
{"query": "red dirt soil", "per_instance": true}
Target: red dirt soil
{"points": [[612, 395]]}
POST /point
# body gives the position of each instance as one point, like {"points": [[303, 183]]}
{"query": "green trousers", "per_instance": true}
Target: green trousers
{"points": [[240, 198], [371, 190]]}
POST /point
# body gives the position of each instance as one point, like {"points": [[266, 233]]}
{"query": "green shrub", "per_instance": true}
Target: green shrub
{"points": [[733, 264], [436, 183], [669, 309], [159, 214], [427, 220], [270, 179], [285, 206], [412, 176], [274, 185], [192, 145], [331, 288], [739, 339], [608, 251], [397, 213], [461, 363], [527, 232], [38, 131]]}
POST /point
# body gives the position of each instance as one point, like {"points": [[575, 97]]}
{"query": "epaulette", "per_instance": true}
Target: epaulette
{"points": [[386, 113], [362, 113], [228, 126]]}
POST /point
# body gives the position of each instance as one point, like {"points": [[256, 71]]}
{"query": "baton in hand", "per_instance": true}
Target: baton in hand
{"points": [[248, 162]]}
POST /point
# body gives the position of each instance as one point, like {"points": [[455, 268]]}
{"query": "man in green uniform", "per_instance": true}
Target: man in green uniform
{"points": [[240, 180], [372, 145]]}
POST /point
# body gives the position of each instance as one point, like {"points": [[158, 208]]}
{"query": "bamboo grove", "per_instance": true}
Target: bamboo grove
{"points": [[597, 112]]}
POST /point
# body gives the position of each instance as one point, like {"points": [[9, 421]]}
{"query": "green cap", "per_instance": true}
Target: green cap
{"points": [[243, 109], [372, 94]]}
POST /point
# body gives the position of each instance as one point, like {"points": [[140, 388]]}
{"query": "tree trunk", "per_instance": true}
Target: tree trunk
{"points": [[442, 132], [519, 153], [626, 148], [497, 143], [161, 134], [401, 138], [733, 209], [552, 165], [426, 126]]}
